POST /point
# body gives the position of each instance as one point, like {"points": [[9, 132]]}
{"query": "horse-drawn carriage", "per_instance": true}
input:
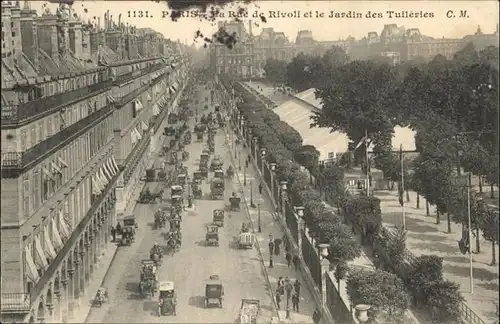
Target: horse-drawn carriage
{"points": [[148, 279], [181, 179], [212, 235], [147, 197], [246, 239], [101, 297], [156, 255], [161, 218], [249, 311], [204, 157], [173, 158], [203, 169], [230, 172], [196, 189], [176, 190], [128, 230], [150, 175], [174, 239], [197, 176], [187, 138], [219, 174], [217, 188], [214, 292], [167, 299], [235, 201], [218, 217], [185, 155], [216, 163]]}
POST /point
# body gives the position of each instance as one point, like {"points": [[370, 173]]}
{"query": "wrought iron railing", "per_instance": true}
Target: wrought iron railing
{"points": [[12, 114], [468, 315], [15, 302], [22, 159]]}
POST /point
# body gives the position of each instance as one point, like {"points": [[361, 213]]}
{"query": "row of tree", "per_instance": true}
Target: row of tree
{"points": [[359, 213], [452, 105]]}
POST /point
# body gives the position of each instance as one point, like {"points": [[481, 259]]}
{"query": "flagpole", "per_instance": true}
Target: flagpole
{"points": [[403, 188], [367, 165], [470, 234]]}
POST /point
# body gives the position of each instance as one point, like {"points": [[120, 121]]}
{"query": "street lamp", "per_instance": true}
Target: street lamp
{"points": [[255, 139], [283, 199], [252, 205], [258, 213], [272, 166], [262, 158], [325, 265], [300, 213]]}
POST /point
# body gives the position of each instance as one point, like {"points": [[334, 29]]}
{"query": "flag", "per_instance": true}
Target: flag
{"points": [[401, 189]]}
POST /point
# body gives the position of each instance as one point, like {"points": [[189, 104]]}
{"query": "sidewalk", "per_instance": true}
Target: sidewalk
{"points": [[424, 236], [280, 268], [101, 269]]}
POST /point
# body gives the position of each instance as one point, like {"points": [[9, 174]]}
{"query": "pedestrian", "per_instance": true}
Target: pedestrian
{"points": [[288, 258], [118, 228], [295, 302], [297, 285], [281, 289], [296, 262], [271, 261], [260, 188], [288, 288], [280, 281], [246, 164], [316, 316], [271, 247], [278, 299], [113, 233], [277, 243]]}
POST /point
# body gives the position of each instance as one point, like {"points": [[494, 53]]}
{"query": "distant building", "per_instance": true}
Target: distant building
{"points": [[395, 57]]}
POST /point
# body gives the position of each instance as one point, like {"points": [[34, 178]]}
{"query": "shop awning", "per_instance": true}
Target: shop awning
{"points": [[95, 187], [56, 237], [63, 163], [144, 126], [149, 97], [106, 172], [103, 176], [109, 166], [30, 267], [138, 105], [156, 110], [47, 173], [48, 247], [63, 227], [114, 164], [40, 259], [172, 89], [139, 136], [56, 168], [133, 136], [101, 183], [111, 99]]}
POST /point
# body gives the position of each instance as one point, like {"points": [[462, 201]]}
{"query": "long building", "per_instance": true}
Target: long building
{"points": [[81, 105]]}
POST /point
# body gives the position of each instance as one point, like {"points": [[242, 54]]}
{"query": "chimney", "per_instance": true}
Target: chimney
{"points": [[76, 38], [29, 34], [47, 35], [99, 23], [250, 27]]}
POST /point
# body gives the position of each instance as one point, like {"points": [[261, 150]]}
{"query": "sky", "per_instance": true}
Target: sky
{"points": [[306, 16]]}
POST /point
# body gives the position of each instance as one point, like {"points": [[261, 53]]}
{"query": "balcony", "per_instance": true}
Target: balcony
{"points": [[13, 114], [132, 95], [15, 303], [15, 162]]}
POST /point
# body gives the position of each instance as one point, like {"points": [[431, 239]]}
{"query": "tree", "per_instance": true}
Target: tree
{"points": [[343, 245], [424, 269], [356, 101], [275, 71], [382, 290], [489, 227], [333, 178], [467, 55], [444, 299], [297, 72], [390, 249], [308, 157], [341, 270]]}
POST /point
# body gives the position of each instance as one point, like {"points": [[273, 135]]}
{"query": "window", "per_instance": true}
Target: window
{"points": [[24, 140], [40, 131], [26, 195], [13, 34], [49, 127], [33, 136], [36, 190]]}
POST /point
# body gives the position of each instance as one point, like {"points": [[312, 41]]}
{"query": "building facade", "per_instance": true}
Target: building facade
{"points": [[77, 129]]}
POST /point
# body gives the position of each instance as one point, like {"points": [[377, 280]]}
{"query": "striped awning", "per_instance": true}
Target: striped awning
{"points": [[114, 164], [63, 227], [50, 252], [56, 237], [156, 110], [96, 189], [144, 126], [62, 162], [106, 172], [138, 105], [149, 97], [40, 259], [30, 266]]}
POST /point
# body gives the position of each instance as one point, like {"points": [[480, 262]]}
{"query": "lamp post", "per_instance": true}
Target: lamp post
{"points": [[239, 161], [245, 176], [325, 265], [262, 158], [258, 213], [283, 200], [252, 205], [272, 166], [300, 213], [254, 139]]}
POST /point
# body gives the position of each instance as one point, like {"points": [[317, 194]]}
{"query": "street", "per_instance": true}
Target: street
{"points": [[189, 268]]}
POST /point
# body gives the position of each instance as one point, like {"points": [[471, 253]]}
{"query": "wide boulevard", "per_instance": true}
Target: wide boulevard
{"points": [[240, 270]]}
